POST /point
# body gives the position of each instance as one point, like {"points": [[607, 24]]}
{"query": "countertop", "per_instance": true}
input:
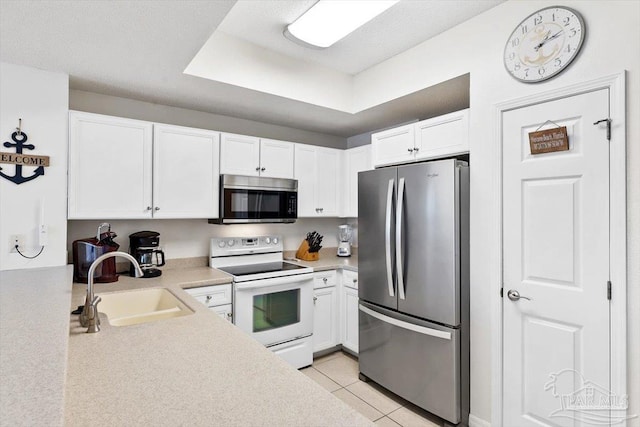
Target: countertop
{"points": [[34, 332], [193, 370], [328, 260]]}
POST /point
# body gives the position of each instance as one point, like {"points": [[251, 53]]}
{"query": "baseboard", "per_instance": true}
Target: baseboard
{"points": [[478, 422]]}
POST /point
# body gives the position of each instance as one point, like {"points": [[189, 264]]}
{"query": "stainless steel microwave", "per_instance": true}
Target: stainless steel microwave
{"points": [[247, 199]]}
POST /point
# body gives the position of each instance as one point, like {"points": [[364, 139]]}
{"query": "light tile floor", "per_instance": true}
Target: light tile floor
{"points": [[338, 373]]}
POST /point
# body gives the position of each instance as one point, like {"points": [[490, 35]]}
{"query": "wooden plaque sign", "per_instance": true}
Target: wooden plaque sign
{"points": [[24, 159], [549, 140]]}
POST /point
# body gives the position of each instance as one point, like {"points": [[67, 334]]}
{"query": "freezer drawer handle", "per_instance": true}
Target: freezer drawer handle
{"points": [[405, 325], [399, 264], [387, 237]]}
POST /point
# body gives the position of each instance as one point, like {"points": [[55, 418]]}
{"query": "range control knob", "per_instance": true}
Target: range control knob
{"points": [[267, 240], [231, 242], [275, 240], [221, 243]]}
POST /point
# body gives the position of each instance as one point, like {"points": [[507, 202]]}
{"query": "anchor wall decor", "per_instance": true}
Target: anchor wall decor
{"points": [[19, 159]]}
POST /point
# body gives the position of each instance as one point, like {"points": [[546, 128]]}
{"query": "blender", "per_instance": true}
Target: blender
{"points": [[344, 235]]}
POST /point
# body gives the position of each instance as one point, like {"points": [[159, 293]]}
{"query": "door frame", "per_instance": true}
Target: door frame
{"points": [[616, 83]]}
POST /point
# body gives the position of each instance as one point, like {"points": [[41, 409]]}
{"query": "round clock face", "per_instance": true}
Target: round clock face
{"points": [[544, 44]]}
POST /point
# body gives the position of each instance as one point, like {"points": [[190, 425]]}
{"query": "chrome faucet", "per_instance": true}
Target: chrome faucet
{"points": [[89, 316]]}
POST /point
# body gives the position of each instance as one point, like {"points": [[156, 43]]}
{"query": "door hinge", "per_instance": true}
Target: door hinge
{"points": [[609, 290], [608, 122]]}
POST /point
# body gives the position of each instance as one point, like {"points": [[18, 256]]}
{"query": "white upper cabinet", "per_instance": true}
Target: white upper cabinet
{"points": [[109, 167], [393, 146], [253, 156], [276, 158], [126, 169], [239, 154], [441, 136], [185, 172], [356, 160], [317, 171]]}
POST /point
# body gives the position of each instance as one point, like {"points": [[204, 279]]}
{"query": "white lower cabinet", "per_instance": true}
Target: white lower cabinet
{"points": [[349, 318], [325, 311], [217, 299]]}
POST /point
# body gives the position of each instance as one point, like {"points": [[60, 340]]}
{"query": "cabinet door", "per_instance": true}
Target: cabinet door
{"points": [[185, 172], [443, 136], [239, 154], [327, 172], [224, 311], [325, 318], [350, 327], [109, 167], [393, 146], [276, 158], [357, 160], [305, 173]]}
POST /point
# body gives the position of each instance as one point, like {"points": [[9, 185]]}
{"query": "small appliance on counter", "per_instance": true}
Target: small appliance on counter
{"points": [[344, 235], [144, 247], [85, 252]]}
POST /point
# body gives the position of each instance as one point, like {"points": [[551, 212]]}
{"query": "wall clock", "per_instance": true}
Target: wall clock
{"points": [[544, 44]]}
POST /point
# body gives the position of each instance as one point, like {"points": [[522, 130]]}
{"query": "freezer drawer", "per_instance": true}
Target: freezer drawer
{"points": [[415, 359]]}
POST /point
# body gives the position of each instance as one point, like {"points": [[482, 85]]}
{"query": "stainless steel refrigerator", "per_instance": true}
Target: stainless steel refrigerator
{"points": [[413, 272]]}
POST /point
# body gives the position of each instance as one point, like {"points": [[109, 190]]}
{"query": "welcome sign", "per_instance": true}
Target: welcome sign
{"points": [[549, 140]]}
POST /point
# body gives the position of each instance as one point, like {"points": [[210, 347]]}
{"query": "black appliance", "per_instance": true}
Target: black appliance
{"points": [[85, 252], [144, 247], [249, 199]]}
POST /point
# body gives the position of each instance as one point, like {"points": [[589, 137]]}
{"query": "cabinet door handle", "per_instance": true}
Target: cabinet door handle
{"points": [[355, 280], [410, 150], [156, 208], [258, 169], [263, 169], [314, 300], [324, 279], [208, 297], [416, 149], [148, 208]]}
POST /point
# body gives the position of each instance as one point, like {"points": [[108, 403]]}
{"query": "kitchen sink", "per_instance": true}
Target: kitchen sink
{"points": [[141, 306]]}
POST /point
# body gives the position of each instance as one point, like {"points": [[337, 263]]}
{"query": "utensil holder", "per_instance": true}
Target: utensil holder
{"points": [[304, 254]]}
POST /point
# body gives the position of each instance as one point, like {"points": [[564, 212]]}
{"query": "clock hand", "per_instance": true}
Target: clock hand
{"points": [[547, 39]]}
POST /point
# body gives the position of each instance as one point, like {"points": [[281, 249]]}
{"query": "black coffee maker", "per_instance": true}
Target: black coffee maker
{"points": [[144, 247]]}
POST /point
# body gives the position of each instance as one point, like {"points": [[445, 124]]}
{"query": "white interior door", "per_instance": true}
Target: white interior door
{"points": [[556, 253]]}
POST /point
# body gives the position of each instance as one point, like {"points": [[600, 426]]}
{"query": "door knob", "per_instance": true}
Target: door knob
{"points": [[515, 295]]}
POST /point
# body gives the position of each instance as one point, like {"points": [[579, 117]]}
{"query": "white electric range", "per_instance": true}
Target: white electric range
{"points": [[273, 298]]}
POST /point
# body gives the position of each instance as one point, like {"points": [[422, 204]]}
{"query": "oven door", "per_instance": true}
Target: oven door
{"points": [[242, 205], [275, 310]]}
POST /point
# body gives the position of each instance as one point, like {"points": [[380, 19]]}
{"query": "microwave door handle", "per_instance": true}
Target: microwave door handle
{"points": [[399, 264], [387, 237]]}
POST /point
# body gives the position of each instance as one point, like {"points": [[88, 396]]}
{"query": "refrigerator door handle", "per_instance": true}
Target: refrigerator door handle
{"points": [[387, 237], [399, 265], [405, 325]]}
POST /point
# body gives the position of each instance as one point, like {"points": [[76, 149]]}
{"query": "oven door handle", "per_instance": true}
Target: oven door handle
{"points": [[275, 281]]}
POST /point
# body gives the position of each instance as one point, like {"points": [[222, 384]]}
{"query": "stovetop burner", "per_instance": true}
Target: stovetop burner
{"points": [[267, 267]]}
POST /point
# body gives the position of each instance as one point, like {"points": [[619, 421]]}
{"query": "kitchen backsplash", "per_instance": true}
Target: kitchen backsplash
{"points": [[190, 237]]}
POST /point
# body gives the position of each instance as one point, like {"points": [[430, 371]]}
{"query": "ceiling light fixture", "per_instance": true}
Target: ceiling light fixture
{"points": [[330, 20]]}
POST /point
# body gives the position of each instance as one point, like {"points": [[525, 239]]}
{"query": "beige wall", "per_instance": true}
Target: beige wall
{"points": [[132, 109]]}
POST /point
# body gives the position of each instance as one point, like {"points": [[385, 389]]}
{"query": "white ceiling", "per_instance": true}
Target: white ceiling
{"points": [[140, 50]]}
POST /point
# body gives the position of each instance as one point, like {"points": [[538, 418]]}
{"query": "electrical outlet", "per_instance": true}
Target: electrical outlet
{"points": [[16, 239]]}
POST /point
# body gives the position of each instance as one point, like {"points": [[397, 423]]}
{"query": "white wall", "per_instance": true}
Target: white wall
{"points": [[476, 46], [190, 237], [41, 99]]}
